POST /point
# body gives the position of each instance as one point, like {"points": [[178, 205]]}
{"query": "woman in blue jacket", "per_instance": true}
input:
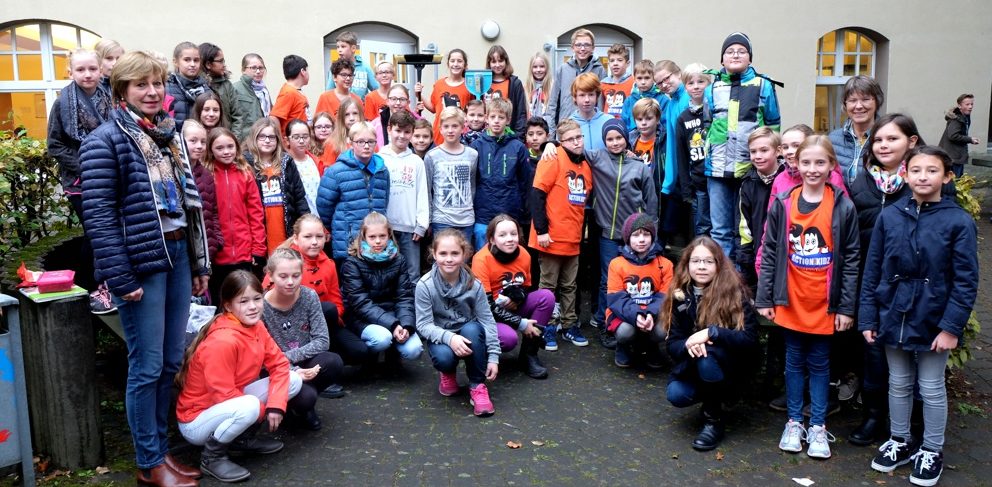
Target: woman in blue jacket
{"points": [[144, 218], [355, 186], [919, 288]]}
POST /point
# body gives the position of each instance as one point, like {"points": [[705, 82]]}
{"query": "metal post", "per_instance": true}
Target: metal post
{"points": [[23, 433]]}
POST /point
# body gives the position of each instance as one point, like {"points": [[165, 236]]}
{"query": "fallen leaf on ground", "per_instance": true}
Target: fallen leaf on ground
{"points": [[675, 456], [537, 443], [640, 376], [881, 482], [805, 482], [719, 456], [102, 470], [57, 473], [513, 445]]}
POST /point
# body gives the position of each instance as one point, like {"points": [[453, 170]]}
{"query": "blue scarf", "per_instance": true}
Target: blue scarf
{"points": [[387, 254]]}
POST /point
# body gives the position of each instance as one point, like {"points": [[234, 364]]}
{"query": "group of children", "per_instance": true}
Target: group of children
{"points": [[331, 211]]}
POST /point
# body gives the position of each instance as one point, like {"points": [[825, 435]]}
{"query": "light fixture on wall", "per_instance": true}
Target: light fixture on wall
{"points": [[490, 30]]}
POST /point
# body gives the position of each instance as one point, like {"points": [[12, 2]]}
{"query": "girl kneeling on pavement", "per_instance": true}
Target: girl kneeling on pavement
{"points": [[453, 317], [712, 334], [222, 402], [503, 267], [919, 288]]}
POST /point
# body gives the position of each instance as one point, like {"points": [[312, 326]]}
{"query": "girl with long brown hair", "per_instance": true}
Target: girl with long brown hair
{"points": [[712, 334]]}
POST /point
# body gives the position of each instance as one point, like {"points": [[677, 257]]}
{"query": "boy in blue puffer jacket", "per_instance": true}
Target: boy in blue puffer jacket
{"points": [[503, 174]]}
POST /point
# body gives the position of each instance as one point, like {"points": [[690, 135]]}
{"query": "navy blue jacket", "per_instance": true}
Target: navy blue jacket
{"points": [[350, 190], [120, 214], [180, 88], [502, 177], [735, 350], [921, 275], [377, 293]]}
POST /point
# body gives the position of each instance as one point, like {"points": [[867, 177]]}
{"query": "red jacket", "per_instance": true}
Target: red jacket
{"points": [[234, 355], [239, 209], [321, 275]]}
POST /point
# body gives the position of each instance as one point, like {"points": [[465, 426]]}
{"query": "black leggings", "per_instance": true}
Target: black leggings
{"points": [[330, 369], [344, 341]]}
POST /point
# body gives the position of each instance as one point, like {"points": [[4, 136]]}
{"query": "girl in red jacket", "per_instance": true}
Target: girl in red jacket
{"points": [[239, 210], [223, 408]]}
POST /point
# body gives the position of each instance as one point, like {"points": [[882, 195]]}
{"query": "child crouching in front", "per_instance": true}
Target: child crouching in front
{"points": [[453, 317]]}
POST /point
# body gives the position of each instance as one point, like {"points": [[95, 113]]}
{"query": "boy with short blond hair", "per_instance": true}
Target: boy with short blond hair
{"points": [[689, 148], [619, 84], [756, 190], [451, 172], [364, 80], [558, 200], [503, 173], [647, 140], [560, 105], [644, 87]]}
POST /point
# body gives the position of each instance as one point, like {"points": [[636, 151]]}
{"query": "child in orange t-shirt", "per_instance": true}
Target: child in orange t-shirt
{"points": [[635, 289], [503, 267], [449, 91], [291, 103], [808, 285], [618, 85], [344, 72], [558, 201]]}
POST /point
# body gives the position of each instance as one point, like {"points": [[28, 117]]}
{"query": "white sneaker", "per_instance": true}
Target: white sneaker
{"points": [[792, 437], [819, 442]]}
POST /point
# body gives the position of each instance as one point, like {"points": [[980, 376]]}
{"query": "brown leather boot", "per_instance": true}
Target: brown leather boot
{"points": [[163, 476], [182, 468]]}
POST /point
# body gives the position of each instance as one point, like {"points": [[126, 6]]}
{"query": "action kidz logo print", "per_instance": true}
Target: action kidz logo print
{"points": [[576, 188], [809, 248], [508, 279], [614, 102], [640, 289], [450, 100]]}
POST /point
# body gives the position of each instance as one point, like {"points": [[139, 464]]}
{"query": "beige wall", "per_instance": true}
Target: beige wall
{"points": [[936, 50]]}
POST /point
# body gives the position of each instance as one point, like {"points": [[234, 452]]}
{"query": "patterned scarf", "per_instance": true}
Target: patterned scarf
{"points": [[263, 96], [192, 88], [79, 115], [386, 254], [168, 172], [888, 183]]}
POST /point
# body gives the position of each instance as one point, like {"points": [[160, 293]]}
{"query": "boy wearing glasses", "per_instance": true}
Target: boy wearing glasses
{"points": [[364, 79], [560, 105], [737, 89], [329, 101], [558, 201]]}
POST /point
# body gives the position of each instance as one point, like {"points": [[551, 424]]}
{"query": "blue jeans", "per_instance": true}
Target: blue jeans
{"points": [[608, 250], [701, 213], [906, 369], [479, 235], [958, 170], [155, 329], [468, 230], [806, 351], [379, 339], [724, 204], [410, 251], [684, 391], [446, 361]]}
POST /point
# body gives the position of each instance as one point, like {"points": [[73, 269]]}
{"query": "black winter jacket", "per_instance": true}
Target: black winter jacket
{"points": [[184, 91], [120, 214], [294, 197], [736, 350], [955, 139], [377, 293]]}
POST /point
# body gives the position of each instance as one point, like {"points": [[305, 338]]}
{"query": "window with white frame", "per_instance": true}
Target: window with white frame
{"points": [[840, 55], [34, 66]]}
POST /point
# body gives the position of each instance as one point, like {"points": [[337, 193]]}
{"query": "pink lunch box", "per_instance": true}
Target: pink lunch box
{"points": [[55, 281]]}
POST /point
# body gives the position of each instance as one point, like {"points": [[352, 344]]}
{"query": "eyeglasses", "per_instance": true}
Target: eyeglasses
{"points": [[323, 127], [863, 101], [363, 142], [696, 261], [396, 99], [346, 75], [256, 68], [299, 137], [582, 45], [221, 60], [269, 138], [733, 53], [385, 72], [572, 140]]}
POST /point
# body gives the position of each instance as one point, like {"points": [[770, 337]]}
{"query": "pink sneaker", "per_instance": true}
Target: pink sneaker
{"points": [[480, 400], [449, 385]]}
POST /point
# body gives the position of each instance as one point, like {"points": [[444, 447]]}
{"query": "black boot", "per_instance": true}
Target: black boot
{"points": [[529, 362], [875, 424], [712, 433], [215, 462], [249, 442]]}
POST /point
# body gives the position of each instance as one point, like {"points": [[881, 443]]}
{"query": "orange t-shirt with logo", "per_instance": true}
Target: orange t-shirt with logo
{"points": [[810, 260], [496, 276], [499, 90], [614, 94], [645, 150], [567, 185], [290, 104], [641, 282], [443, 96], [329, 102], [373, 102], [275, 210]]}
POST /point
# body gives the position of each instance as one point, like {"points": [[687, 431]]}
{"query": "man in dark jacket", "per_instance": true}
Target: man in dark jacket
{"points": [[956, 139]]}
